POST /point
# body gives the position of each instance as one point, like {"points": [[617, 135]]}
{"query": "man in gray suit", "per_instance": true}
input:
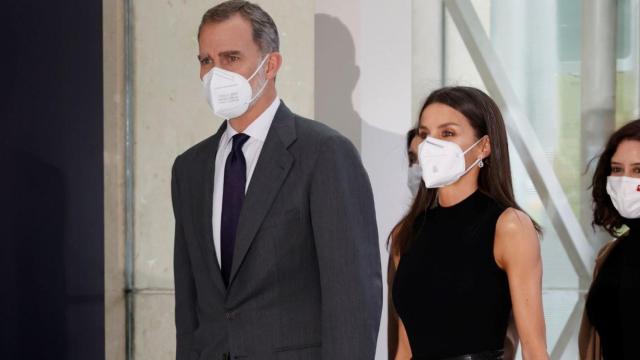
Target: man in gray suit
{"points": [[276, 247]]}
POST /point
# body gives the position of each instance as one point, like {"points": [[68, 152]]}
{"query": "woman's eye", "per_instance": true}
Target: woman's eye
{"points": [[447, 133], [636, 170], [422, 135], [616, 169]]}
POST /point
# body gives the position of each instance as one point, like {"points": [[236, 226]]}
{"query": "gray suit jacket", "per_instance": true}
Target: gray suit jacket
{"points": [[305, 281]]}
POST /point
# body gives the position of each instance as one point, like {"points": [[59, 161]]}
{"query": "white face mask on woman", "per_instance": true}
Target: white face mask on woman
{"points": [[443, 162], [229, 93], [625, 195], [414, 177]]}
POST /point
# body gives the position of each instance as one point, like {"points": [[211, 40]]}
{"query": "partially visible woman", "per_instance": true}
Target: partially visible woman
{"points": [[610, 326], [466, 255], [414, 176]]}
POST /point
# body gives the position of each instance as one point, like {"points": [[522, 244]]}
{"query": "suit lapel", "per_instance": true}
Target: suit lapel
{"points": [[205, 195], [272, 168]]}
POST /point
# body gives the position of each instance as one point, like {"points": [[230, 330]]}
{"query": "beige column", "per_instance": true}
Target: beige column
{"points": [[114, 176], [597, 99], [169, 114], [427, 27]]}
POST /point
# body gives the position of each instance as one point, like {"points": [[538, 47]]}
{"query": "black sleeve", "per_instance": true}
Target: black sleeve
{"points": [[348, 250], [185, 290]]}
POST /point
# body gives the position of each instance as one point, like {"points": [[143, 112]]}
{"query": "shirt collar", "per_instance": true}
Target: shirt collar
{"points": [[259, 128]]}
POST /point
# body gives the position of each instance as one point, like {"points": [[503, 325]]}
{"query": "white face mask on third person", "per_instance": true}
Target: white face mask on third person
{"points": [[625, 195], [414, 177], [229, 94], [443, 162]]}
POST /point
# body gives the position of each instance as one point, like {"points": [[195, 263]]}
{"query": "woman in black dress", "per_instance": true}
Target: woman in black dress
{"points": [[611, 323], [466, 255]]}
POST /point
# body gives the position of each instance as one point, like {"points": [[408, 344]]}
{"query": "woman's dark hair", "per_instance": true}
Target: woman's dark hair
{"points": [[604, 213], [410, 135], [495, 177]]}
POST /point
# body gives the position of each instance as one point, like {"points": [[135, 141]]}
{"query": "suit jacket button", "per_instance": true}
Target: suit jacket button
{"points": [[230, 315]]}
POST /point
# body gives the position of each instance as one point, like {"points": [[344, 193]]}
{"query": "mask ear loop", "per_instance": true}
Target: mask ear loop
{"points": [[259, 67], [477, 162], [474, 144], [254, 74]]}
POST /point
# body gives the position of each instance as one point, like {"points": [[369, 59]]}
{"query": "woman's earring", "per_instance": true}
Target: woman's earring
{"points": [[480, 164]]}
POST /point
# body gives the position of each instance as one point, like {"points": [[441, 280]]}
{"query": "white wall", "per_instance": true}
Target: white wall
{"points": [[396, 56]]}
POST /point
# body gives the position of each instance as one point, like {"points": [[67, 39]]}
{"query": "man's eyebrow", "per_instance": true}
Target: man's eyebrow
{"points": [[222, 53], [229, 53]]}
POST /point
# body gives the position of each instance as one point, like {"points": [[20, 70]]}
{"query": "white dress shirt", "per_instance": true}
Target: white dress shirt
{"points": [[257, 132]]}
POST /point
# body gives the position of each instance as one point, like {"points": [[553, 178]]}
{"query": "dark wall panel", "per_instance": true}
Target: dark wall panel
{"points": [[51, 181]]}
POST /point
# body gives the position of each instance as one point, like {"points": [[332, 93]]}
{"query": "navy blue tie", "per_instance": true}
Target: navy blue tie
{"points": [[235, 179]]}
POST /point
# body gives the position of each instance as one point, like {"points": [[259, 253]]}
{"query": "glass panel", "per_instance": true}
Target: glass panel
{"points": [[539, 45]]}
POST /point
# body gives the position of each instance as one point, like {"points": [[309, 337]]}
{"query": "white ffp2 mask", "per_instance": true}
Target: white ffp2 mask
{"points": [[228, 93], [625, 195], [442, 162], [414, 177]]}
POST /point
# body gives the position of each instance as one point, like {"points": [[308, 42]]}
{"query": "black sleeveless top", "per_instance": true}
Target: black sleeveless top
{"points": [[451, 295], [613, 302]]}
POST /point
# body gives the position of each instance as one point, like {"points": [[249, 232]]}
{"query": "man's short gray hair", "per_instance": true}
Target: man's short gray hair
{"points": [[265, 32]]}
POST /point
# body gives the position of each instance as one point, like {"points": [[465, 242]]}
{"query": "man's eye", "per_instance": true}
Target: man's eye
{"points": [[230, 59], [206, 61]]}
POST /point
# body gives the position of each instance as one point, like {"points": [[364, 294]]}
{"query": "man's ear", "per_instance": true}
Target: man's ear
{"points": [[273, 65]]}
